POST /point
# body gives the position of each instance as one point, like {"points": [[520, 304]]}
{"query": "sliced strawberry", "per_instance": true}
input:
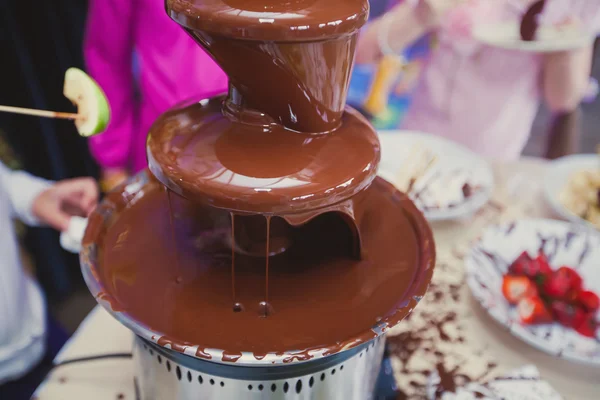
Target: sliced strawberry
{"points": [[567, 314], [532, 310], [514, 288], [588, 326], [520, 264], [588, 300]]}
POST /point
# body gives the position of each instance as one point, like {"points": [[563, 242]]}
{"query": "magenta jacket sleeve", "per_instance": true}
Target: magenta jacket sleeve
{"points": [[108, 50]]}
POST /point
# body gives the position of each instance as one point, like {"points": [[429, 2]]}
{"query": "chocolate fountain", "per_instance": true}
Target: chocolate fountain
{"points": [[261, 257]]}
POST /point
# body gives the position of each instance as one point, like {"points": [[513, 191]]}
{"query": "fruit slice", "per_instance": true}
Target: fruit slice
{"points": [[92, 105], [588, 300], [532, 310], [515, 288]]}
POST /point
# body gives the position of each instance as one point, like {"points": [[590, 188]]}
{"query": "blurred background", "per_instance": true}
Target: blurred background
{"points": [[40, 40]]}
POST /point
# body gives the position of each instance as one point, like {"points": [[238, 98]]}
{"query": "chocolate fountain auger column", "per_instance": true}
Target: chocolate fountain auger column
{"points": [[262, 258]]}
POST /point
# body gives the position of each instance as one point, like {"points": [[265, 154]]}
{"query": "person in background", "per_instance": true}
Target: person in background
{"points": [[483, 97], [172, 68], [24, 334]]}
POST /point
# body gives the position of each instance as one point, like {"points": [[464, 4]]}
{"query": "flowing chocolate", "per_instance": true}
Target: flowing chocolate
{"points": [[202, 155]]}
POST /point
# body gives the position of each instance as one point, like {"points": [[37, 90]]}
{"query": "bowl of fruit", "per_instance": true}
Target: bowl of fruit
{"points": [[541, 279]]}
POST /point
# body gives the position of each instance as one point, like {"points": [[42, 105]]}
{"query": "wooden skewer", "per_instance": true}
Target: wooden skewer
{"points": [[40, 113]]}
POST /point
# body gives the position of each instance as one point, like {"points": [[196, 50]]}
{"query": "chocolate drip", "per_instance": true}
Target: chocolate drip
{"points": [[236, 306], [266, 308]]}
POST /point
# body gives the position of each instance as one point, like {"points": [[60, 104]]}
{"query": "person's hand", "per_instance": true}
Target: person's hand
{"points": [[568, 22], [72, 197], [113, 177]]}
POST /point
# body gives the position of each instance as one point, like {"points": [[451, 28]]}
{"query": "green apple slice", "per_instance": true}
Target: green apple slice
{"points": [[91, 102]]}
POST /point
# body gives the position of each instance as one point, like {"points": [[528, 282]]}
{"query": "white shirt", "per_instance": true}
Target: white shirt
{"points": [[22, 305]]}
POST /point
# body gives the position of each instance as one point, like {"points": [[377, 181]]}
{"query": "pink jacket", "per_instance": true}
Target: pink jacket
{"points": [[172, 68]]}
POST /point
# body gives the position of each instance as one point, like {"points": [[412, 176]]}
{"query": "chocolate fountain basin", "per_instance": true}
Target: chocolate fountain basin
{"points": [[155, 309]]}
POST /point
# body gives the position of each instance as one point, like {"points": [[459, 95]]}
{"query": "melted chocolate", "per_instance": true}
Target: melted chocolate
{"points": [[204, 156], [271, 20], [322, 297]]}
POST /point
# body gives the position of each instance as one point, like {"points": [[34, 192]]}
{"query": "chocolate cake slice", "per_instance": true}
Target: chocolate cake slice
{"points": [[529, 23]]}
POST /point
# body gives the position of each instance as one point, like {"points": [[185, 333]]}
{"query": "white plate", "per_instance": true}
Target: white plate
{"points": [[557, 178], [396, 146], [566, 244], [507, 35]]}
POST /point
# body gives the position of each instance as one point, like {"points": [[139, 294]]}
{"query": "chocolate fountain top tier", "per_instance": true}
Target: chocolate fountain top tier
{"points": [[271, 20], [287, 60]]}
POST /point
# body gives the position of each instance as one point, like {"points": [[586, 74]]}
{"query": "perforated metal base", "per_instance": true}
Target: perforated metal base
{"points": [[166, 375]]}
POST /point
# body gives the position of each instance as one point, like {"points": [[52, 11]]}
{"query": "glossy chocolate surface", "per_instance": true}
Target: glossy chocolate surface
{"points": [[277, 20], [321, 297], [204, 156]]}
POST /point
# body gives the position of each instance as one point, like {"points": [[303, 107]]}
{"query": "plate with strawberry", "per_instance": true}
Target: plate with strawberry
{"points": [[541, 279]]}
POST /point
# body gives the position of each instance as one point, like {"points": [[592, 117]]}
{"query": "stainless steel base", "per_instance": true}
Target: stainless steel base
{"points": [[163, 374]]}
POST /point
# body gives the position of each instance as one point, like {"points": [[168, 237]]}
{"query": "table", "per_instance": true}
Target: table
{"points": [[448, 331]]}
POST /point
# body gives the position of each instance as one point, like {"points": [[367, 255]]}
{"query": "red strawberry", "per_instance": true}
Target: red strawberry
{"points": [[587, 327], [532, 310], [520, 264], [514, 288], [567, 314], [556, 287], [562, 284], [539, 268], [588, 300], [574, 279]]}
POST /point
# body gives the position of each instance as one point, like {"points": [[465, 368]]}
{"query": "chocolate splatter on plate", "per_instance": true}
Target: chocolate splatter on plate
{"points": [[458, 184]]}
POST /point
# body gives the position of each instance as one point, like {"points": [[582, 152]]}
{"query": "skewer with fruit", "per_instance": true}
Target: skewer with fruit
{"points": [[93, 111]]}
